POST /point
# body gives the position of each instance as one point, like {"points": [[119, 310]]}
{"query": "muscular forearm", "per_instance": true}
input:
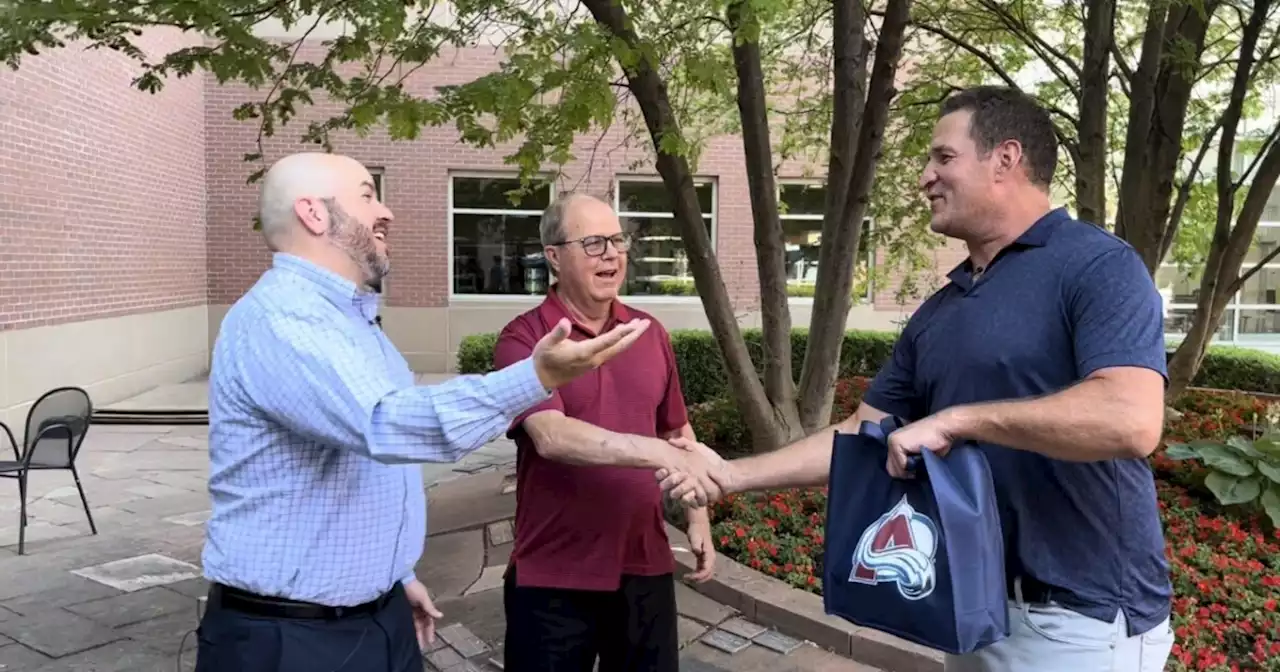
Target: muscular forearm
{"points": [[804, 463], [572, 441], [1093, 420]]}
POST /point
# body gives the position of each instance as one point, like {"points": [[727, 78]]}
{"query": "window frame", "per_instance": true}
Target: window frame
{"points": [[451, 211], [379, 182], [1270, 342], [870, 297], [714, 216]]}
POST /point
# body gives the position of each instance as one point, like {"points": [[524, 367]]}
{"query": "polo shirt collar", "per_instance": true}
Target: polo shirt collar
{"points": [[552, 310], [1036, 236], [337, 289]]}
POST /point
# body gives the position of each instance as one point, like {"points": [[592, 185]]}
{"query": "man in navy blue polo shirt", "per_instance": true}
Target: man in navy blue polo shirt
{"points": [[1047, 348]]}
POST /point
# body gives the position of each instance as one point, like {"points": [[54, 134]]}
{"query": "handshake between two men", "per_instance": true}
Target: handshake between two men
{"points": [[697, 475]]}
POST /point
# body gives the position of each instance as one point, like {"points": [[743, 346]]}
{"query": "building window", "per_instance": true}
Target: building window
{"points": [[1253, 316], [657, 263], [496, 246], [801, 207]]}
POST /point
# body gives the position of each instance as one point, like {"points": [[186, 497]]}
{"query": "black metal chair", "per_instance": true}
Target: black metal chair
{"points": [[56, 426]]}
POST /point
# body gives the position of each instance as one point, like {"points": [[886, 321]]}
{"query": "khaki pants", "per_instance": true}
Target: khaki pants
{"points": [[1051, 638]]}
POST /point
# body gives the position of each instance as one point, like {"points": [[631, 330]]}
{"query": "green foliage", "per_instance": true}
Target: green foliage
{"points": [[475, 353], [1231, 368], [701, 366], [1240, 471], [561, 81], [862, 353]]}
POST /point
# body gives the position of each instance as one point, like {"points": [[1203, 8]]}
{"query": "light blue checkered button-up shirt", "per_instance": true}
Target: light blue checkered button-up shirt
{"points": [[315, 432]]}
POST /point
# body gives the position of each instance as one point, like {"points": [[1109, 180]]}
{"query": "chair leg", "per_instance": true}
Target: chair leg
{"points": [[74, 474], [22, 525]]}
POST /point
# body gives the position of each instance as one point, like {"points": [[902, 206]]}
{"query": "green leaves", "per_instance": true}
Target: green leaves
{"points": [[1270, 470], [1240, 471], [1225, 459], [1232, 490], [1271, 504]]}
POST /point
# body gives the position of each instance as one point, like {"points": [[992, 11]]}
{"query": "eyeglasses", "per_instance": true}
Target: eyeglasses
{"points": [[595, 246]]}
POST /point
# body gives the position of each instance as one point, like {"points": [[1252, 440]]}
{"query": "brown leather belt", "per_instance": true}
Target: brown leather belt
{"points": [[226, 597]]}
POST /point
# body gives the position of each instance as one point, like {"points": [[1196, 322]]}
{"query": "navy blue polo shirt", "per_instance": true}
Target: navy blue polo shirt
{"points": [[1064, 300]]}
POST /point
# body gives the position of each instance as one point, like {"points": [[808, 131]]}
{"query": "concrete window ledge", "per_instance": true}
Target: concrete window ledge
{"points": [[793, 612]]}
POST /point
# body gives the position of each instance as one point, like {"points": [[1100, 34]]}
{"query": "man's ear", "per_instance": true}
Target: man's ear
{"points": [[313, 214], [1008, 158], [552, 254]]}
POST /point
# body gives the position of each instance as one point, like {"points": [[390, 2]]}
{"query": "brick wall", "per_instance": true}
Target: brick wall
{"points": [[416, 185], [102, 188]]}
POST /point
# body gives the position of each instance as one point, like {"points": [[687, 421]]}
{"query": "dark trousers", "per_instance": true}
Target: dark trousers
{"points": [[232, 641], [632, 629]]}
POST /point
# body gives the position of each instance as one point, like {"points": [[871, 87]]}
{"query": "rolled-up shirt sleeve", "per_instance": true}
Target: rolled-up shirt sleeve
{"points": [[316, 381]]}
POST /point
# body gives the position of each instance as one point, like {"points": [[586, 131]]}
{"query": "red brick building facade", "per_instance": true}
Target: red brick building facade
{"points": [[127, 226]]}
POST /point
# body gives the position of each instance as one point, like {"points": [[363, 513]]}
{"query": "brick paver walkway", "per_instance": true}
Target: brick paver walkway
{"points": [[127, 599]]}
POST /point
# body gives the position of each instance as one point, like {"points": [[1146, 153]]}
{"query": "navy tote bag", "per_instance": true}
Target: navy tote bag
{"points": [[919, 558]]}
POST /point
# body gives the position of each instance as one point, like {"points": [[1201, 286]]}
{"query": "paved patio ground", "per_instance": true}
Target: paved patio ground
{"points": [[127, 599]]}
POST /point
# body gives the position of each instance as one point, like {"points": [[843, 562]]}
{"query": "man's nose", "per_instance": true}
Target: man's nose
{"points": [[927, 177]]}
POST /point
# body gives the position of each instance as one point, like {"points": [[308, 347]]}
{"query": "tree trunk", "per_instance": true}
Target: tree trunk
{"points": [[1160, 92], [1095, 84], [840, 234], [1230, 244], [775, 311], [651, 95]]}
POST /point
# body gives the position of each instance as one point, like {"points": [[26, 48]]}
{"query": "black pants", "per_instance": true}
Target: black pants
{"points": [[232, 641], [632, 629]]}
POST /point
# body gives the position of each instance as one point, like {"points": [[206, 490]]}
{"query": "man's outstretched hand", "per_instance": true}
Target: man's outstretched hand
{"points": [[702, 478], [559, 360]]}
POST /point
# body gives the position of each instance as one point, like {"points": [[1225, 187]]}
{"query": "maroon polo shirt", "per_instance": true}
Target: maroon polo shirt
{"points": [[585, 527]]}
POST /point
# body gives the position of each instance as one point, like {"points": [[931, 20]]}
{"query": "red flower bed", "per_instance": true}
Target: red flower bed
{"points": [[1224, 561]]}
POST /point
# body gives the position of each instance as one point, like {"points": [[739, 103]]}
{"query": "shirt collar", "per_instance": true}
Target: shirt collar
{"points": [[1036, 236], [552, 310], [339, 290]]}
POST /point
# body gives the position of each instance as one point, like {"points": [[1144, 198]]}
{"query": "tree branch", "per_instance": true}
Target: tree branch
{"points": [[988, 60], [1047, 52], [1184, 190], [1244, 277]]}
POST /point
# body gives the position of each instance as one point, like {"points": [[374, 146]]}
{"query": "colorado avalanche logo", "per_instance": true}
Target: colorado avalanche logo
{"points": [[898, 547]]}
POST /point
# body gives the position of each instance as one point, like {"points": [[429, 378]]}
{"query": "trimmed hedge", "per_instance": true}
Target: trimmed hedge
{"points": [[703, 377], [702, 373]]}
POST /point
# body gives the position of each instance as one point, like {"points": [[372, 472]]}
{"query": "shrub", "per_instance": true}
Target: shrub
{"points": [[703, 376], [475, 353], [1230, 368], [719, 424], [701, 367]]}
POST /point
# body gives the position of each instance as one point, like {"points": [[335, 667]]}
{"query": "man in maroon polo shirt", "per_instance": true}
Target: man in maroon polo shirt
{"points": [[591, 574]]}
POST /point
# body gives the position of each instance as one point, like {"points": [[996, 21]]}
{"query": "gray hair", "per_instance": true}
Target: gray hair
{"points": [[551, 227]]}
